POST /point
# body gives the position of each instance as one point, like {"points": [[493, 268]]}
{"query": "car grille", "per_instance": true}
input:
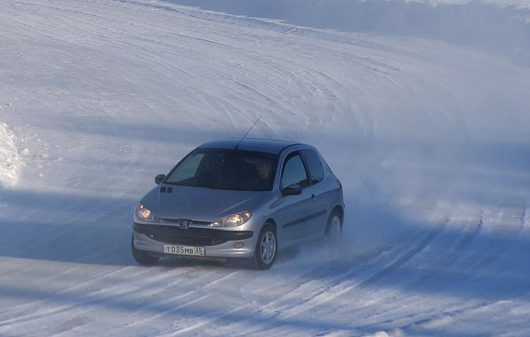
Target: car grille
{"points": [[191, 236], [178, 240]]}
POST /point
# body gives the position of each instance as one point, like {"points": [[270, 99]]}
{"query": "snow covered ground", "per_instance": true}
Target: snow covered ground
{"points": [[494, 26], [430, 136]]}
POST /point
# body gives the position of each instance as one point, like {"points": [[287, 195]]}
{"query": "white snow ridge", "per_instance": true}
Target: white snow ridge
{"points": [[9, 158]]}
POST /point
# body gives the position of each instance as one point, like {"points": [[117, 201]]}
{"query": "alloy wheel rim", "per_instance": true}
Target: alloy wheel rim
{"points": [[268, 248]]}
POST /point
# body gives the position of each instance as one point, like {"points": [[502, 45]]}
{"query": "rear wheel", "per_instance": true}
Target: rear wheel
{"points": [[334, 227], [266, 247], [142, 257]]}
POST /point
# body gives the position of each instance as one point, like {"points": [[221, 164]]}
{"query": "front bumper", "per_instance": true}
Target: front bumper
{"points": [[216, 242]]}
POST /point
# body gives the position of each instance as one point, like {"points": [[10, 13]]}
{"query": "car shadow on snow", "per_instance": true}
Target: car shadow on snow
{"points": [[80, 229], [66, 227], [152, 132]]}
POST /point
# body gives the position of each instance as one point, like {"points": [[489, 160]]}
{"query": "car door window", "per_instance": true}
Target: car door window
{"points": [[294, 172], [316, 169]]}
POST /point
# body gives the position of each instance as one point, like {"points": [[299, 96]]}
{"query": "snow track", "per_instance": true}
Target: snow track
{"points": [[430, 140]]}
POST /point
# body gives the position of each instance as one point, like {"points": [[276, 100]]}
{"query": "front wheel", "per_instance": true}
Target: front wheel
{"points": [[266, 247], [142, 257]]}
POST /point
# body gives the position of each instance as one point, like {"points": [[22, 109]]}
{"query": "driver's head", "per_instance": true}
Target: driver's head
{"points": [[264, 169]]}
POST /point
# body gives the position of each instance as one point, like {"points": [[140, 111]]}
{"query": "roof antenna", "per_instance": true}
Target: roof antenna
{"points": [[246, 134]]}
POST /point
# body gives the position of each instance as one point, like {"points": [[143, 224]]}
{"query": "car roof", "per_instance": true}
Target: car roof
{"points": [[251, 144]]}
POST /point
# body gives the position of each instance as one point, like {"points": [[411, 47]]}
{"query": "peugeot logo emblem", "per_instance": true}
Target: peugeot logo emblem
{"points": [[183, 224]]}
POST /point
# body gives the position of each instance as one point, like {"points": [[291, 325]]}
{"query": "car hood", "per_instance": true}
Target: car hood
{"points": [[201, 204]]}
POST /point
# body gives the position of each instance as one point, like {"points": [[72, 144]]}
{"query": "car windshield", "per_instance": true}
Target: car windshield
{"points": [[225, 169]]}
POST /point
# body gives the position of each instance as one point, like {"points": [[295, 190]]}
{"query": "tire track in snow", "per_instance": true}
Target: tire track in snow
{"points": [[497, 226], [440, 269], [197, 294], [340, 289], [24, 308], [119, 293], [280, 289], [308, 295], [283, 70], [79, 287], [404, 258], [404, 312]]}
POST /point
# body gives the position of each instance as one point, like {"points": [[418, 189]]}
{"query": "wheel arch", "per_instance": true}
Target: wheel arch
{"points": [[271, 222]]}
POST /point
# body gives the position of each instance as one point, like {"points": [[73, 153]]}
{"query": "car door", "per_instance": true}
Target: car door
{"points": [[294, 211], [317, 191]]}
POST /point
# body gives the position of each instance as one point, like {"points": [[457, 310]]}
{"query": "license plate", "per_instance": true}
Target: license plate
{"points": [[184, 250]]}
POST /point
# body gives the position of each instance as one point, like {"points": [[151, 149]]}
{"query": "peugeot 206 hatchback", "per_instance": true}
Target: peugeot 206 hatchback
{"points": [[239, 199]]}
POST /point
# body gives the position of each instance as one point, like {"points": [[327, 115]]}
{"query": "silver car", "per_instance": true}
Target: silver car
{"points": [[239, 199]]}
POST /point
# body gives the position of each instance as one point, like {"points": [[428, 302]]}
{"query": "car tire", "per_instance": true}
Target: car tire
{"points": [[266, 248], [334, 227], [142, 257]]}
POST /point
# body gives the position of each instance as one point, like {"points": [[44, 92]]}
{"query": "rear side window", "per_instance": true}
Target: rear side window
{"points": [[294, 172], [316, 169]]}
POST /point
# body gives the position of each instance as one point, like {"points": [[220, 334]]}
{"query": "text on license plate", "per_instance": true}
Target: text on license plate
{"points": [[184, 250]]}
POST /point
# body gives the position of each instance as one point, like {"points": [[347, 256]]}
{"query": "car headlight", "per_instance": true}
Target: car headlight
{"points": [[233, 220], [143, 213]]}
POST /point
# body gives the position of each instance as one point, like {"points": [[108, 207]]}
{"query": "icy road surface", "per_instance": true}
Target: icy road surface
{"points": [[430, 138]]}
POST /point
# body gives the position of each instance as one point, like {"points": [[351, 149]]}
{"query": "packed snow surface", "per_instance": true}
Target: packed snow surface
{"points": [[429, 134]]}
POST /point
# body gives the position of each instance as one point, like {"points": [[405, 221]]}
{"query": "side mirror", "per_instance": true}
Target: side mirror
{"points": [[293, 189], [160, 178]]}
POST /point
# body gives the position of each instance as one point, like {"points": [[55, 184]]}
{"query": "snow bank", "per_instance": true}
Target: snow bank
{"points": [[9, 158]]}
